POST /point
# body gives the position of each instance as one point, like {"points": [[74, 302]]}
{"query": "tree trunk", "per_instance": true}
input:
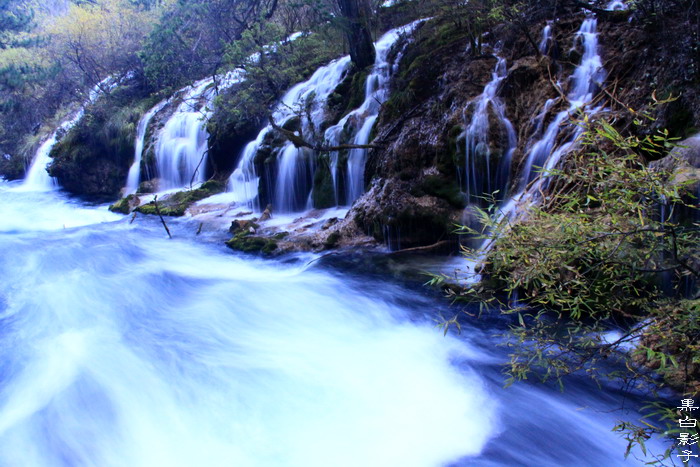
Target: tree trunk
{"points": [[357, 13]]}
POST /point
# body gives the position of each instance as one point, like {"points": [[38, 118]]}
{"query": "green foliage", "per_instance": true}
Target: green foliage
{"points": [[191, 38], [15, 17], [603, 248]]}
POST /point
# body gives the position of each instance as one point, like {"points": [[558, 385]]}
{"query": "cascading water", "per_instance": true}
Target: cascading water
{"points": [[616, 5], [358, 124], [181, 145], [292, 187], [484, 175], [134, 177], [585, 82], [546, 41], [38, 179], [295, 168], [124, 348]]}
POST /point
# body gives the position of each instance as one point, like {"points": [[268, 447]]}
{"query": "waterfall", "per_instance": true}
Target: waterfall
{"points": [[38, 178], [132, 182], [546, 41], [479, 163], [585, 82], [295, 168], [358, 123], [181, 145], [307, 97]]}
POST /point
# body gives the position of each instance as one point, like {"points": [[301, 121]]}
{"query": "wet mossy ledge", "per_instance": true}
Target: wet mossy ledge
{"points": [[174, 205], [244, 241]]}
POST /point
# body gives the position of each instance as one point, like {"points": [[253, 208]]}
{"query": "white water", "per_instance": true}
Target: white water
{"points": [[38, 178], [292, 181], [357, 125], [546, 41], [182, 143], [123, 348], [585, 82], [479, 165], [311, 95], [134, 177]]}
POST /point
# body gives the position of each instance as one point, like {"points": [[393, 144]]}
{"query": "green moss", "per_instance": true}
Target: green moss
{"points": [[347, 96], [176, 204], [323, 195], [123, 206], [94, 157], [248, 243], [454, 157]]}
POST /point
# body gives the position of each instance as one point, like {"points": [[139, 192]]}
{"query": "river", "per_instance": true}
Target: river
{"points": [[121, 347]]}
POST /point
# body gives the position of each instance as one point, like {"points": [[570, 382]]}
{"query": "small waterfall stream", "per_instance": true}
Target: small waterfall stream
{"points": [[181, 145], [357, 125], [546, 41], [485, 173], [38, 179], [134, 177], [293, 170], [585, 82]]}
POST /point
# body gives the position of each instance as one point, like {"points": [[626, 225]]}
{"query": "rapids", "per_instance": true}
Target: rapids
{"points": [[123, 348]]}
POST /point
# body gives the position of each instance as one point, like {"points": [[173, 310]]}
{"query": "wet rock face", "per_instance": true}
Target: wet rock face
{"points": [[392, 215], [89, 176], [415, 178]]}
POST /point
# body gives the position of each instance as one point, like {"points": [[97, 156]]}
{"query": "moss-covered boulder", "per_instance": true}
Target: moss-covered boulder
{"points": [[247, 243], [177, 203], [126, 205]]}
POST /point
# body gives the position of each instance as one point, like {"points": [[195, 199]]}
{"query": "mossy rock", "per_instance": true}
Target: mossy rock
{"points": [[125, 205], [176, 204], [248, 243], [443, 188], [323, 195], [347, 96], [332, 240]]}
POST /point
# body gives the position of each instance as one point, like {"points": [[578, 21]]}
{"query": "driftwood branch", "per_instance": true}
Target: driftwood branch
{"points": [[155, 203], [300, 142]]}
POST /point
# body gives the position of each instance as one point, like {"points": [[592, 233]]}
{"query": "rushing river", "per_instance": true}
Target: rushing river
{"points": [[121, 347]]}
